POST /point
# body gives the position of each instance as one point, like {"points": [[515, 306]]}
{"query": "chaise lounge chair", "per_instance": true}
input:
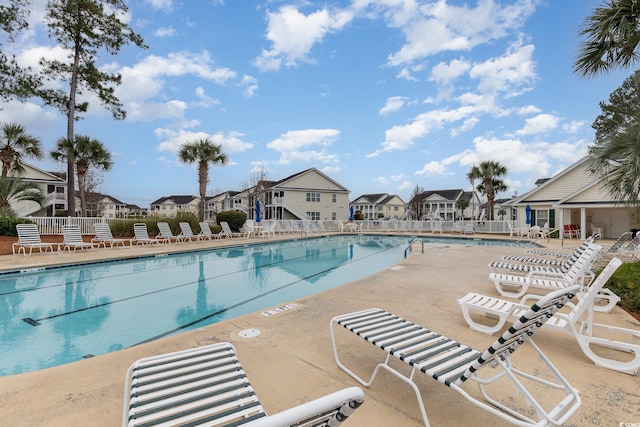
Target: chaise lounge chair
{"points": [[186, 233], [226, 231], [207, 386], [165, 232], [205, 232], [515, 286], [141, 236], [104, 236], [29, 238], [72, 239], [456, 365], [578, 323]]}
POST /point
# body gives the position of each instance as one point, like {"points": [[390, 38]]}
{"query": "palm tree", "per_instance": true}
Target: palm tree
{"points": [[87, 152], [13, 190], [612, 34], [489, 174], [617, 162], [16, 143], [202, 151]]}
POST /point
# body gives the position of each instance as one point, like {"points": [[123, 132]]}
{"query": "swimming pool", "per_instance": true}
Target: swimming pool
{"points": [[54, 316]]}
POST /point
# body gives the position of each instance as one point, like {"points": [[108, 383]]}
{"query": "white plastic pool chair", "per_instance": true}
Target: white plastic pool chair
{"points": [[141, 236], [104, 236], [457, 366], [186, 233], [578, 323], [165, 232], [516, 285], [29, 238], [72, 239], [207, 386]]}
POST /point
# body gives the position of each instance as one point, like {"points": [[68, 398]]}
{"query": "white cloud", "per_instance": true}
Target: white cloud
{"points": [[507, 72], [172, 140], [293, 34], [295, 146], [539, 124], [393, 103], [432, 168], [439, 26], [166, 5], [446, 74], [165, 32]]}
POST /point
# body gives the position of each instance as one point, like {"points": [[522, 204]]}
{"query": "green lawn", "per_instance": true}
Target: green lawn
{"points": [[626, 284]]}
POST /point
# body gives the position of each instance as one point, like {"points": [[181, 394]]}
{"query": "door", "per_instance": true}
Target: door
{"points": [[619, 223]]}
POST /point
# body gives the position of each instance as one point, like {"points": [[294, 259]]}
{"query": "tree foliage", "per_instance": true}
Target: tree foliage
{"points": [[16, 143], [202, 152], [621, 112], [15, 81], [85, 28], [611, 35], [617, 162], [415, 202], [14, 190], [88, 153], [489, 174]]}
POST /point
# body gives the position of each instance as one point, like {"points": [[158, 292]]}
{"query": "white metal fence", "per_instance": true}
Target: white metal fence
{"points": [[53, 225]]}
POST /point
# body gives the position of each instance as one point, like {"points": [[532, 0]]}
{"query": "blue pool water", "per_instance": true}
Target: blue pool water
{"points": [[60, 315]]}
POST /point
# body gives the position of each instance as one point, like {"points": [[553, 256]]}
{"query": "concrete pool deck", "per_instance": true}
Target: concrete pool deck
{"points": [[291, 361]]}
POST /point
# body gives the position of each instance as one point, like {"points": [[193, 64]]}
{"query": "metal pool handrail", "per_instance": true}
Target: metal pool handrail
{"points": [[417, 239]]}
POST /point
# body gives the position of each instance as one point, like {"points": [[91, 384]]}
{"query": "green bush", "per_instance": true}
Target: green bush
{"points": [[625, 283], [235, 219], [8, 225]]}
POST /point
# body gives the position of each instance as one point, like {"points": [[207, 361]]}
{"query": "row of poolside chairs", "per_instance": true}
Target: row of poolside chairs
{"points": [[29, 237]]}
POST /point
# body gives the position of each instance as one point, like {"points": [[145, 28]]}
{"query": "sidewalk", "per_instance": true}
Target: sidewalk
{"points": [[291, 361]]}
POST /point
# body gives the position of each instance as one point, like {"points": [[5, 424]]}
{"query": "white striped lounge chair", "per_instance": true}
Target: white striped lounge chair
{"points": [[577, 323], [516, 285], [208, 386], [72, 239], [104, 236], [29, 238], [458, 366]]}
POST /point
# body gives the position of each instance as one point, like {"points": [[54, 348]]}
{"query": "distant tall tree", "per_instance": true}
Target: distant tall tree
{"points": [[15, 81], [415, 202], [15, 143], [202, 152], [622, 110], [611, 34], [14, 190], [489, 174], [254, 182], [86, 152], [84, 28]]}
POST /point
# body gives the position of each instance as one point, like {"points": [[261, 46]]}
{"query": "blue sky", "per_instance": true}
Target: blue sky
{"points": [[380, 95]]}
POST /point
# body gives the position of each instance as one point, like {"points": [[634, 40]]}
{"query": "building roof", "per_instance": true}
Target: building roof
{"points": [[445, 194], [178, 200]]}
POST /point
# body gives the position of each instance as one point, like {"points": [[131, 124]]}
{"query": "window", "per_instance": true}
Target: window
{"points": [[164, 207], [334, 216], [314, 216], [539, 217], [313, 197], [395, 208], [334, 197]]}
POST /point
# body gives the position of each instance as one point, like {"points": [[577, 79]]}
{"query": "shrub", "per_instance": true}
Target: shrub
{"points": [[625, 283], [234, 218], [8, 225]]}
